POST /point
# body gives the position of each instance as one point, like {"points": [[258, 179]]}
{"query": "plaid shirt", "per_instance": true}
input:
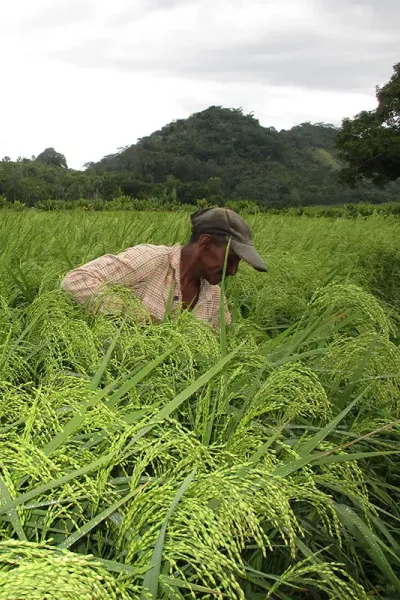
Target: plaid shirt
{"points": [[152, 273]]}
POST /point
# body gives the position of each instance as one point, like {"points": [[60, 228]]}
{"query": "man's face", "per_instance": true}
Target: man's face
{"points": [[212, 258]]}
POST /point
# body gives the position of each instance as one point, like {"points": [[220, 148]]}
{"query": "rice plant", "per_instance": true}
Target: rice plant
{"points": [[164, 461]]}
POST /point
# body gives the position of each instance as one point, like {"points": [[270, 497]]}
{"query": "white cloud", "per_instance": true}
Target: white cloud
{"points": [[89, 77]]}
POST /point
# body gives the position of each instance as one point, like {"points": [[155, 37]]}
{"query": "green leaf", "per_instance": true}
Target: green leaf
{"points": [[117, 567], [94, 384], [349, 389], [222, 322], [22, 282], [73, 424], [45, 487], [320, 435], [369, 541], [305, 449], [64, 252], [97, 438], [222, 337], [14, 518], [80, 533], [193, 387], [339, 458], [138, 377], [173, 581], [151, 579], [261, 451], [160, 416]]}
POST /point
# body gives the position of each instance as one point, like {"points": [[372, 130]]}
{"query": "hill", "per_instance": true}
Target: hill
{"points": [[222, 153], [218, 155]]}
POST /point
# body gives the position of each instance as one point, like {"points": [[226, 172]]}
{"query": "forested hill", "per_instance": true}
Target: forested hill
{"points": [[210, 142], [218, 154], [224, 153]]}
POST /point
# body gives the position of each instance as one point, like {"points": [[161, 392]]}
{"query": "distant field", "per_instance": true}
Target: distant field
{"points": [[261, 466], [302, 253]]}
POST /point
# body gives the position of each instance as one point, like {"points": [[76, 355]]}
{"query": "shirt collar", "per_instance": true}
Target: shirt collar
{"points": [[175, 257]]}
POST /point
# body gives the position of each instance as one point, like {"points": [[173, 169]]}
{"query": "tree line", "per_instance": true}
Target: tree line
{"points": [[221, 155]]}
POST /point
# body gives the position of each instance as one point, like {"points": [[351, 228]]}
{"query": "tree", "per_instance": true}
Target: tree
{"points": [[215, 185], [215, 156], [370, 143], [52, 158]]}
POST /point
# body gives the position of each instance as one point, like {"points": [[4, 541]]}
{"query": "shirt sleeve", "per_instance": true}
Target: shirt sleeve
{"points": [[89, 282]]}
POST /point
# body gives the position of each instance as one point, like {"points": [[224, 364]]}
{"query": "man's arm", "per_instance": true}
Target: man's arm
{"points": [[91, 282]]}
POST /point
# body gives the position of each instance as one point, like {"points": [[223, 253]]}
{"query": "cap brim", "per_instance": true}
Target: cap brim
{"points": [[248, 253]]}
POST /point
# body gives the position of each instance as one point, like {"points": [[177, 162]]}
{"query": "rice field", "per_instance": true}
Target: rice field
{"points": [[174, 462]]}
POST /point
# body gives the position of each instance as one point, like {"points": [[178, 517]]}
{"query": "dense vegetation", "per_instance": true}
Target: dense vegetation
{"points": [[125, 203], [222, 155], [370, 143], [258, 463], [218, 155]]}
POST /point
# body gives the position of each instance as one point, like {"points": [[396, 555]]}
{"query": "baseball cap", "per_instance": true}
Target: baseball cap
{"points": [[226, 223]]}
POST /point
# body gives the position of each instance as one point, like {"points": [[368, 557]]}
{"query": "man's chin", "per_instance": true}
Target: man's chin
{"points": [[214, 279]]}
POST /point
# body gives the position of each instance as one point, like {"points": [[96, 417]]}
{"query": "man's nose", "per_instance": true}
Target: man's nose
{"points": [[232, 269]]}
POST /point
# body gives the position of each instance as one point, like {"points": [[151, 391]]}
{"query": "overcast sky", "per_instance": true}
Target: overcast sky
{"points": [[90, 76]]}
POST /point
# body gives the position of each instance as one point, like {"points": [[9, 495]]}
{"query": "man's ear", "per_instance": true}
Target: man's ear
{"points": [[205, 241]]}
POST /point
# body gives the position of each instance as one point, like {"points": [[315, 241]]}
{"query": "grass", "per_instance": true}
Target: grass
{"points": [[142, 461]]}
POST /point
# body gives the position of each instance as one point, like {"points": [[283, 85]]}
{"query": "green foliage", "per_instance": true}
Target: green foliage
{"points": [[347, 300], [218, 156], [380, 375], [140, 457], [347, 211], [221, 154], [52, 158], [34, 572], [370, 143]]}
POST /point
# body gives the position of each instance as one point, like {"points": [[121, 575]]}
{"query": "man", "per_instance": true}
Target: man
{"points": [[166, 278]]}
